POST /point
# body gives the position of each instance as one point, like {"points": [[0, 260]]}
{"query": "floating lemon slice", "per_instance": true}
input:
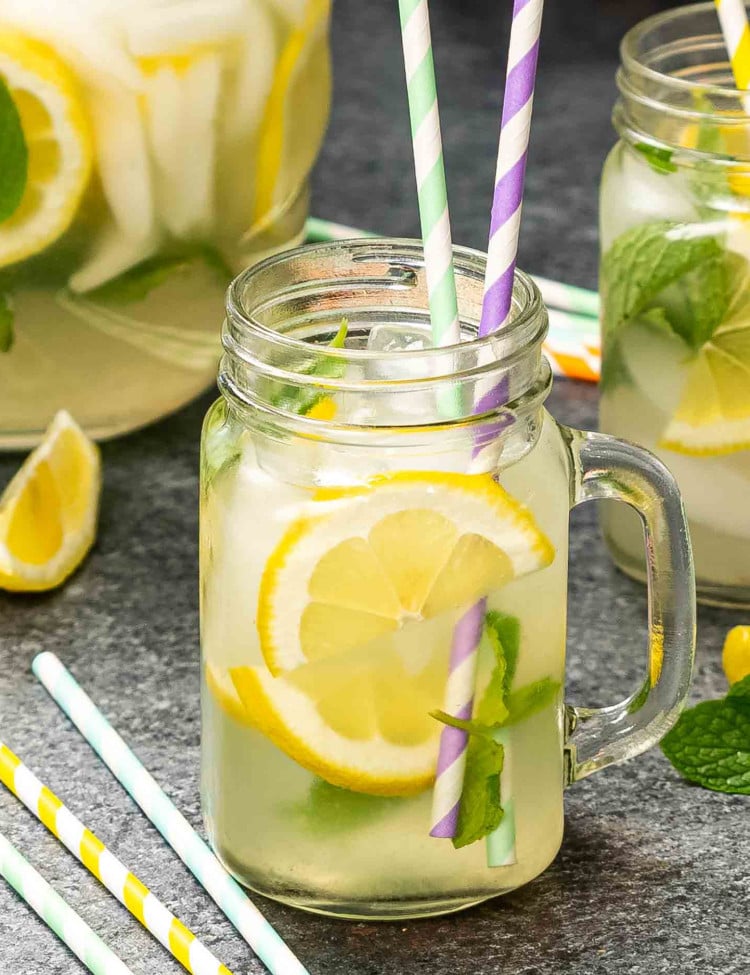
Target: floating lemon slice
{"points": [[407, 547], [713, 415], [48, 511], [361, 722], [356, 612], [58, 140]]}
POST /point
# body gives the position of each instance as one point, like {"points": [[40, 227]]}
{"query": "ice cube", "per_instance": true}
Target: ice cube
{"points": [[639, 194], [407, 406], [389, 339]]}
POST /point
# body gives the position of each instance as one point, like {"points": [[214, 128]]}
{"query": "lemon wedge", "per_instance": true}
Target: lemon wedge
{"points": [[406, 547], [57, 134], [48, 511]]}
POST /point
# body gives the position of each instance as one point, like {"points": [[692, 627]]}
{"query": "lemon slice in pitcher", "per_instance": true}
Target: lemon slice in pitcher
{"points": [[57, 135], [407, 547]]}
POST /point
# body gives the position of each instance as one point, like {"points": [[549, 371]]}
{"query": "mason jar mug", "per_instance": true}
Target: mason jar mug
{"points": [[675, 288], [384, 535]]}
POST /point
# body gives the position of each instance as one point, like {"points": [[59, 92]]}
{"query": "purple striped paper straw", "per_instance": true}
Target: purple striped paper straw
{"points": [[498, 292]]}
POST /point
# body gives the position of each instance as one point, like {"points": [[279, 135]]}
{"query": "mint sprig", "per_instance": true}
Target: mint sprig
{"points": [[139, 281], [662, 273], [301, 399], [659, 158], [481, 810], [710, 744], [14, 155]]}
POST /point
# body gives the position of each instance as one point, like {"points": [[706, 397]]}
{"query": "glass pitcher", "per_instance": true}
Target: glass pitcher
{"points": [[153, 150], [357, 515]]}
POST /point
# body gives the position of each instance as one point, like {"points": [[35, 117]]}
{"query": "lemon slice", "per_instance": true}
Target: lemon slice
{"points": [[361, 721], [713, 413], [58, 140], [295, 115], [48, 511], [407, 547]]}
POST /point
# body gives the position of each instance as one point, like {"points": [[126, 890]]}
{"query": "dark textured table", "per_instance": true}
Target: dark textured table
{"points": [[653, 874]]}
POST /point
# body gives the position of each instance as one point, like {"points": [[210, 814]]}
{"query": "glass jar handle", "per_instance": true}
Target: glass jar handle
{"points": [[607, 468]]}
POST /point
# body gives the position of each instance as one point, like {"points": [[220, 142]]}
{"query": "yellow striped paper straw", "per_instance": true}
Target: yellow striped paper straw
{"points": [[108, 870], [57, 914], [734, 27]]}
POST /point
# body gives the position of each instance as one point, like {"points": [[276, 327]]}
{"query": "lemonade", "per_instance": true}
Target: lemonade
{"points": [[152, 150], [675, 286], [354, 509], [326, 801]]}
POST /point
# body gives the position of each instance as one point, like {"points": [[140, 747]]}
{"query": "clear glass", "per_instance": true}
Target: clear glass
{"points": [[318, 748], [169, 146], [675, 229]]}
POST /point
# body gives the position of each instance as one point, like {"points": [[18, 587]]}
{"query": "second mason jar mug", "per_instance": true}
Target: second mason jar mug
{"points": [[384, 535], [675, 288]]}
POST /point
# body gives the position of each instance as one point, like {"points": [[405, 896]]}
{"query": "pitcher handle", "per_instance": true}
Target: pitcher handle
{"points": [[607, 468]]}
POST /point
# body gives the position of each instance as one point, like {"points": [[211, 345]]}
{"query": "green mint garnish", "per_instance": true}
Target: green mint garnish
{"points": [[14, 155], [528, 700], [139, 281], [664, 274], [329, 810], [300, 399], [710, 744], [658, 157], [481, 810], [6, 322], [645, 260]]}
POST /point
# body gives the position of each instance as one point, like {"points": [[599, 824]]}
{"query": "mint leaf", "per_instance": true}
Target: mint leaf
{"points": [[646, 260], [14, 155], [694, 305], [504, 633], [300, 399], [481, 810], [6, 322], [330, 811], [739, 693], [710, 744], [470, 725], [658, 157], [139, 281], [530, 699]]}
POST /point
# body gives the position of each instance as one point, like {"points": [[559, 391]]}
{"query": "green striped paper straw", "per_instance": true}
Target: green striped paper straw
{"points": [[59, 916], [430, 171], [189, 847], [564, 297]]}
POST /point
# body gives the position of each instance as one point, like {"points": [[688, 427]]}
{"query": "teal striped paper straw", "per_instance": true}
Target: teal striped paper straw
{"points": [[564, 297], [430, 171], [59, 916], [325, 230], [568, 297], [176, 830]]}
